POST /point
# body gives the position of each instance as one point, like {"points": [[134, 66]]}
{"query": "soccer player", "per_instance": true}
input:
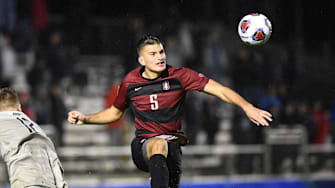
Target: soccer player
{"points": [[29, 154], [155, 94]]}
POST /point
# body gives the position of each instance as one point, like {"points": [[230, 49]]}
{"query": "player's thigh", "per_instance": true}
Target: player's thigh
{"points": [[138, 154], [174, 158], [156, 146]]}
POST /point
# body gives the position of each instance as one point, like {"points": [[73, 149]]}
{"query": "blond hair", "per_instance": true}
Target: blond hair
{"points": [[8, 99]]}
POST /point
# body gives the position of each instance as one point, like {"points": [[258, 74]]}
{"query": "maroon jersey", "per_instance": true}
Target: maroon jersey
{"points": [[157, 104]]}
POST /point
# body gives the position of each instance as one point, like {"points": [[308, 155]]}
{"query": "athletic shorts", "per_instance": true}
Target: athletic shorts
{"points": [[139, 155]]}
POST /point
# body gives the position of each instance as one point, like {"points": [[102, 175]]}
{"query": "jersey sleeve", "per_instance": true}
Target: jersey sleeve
{"points": [[121, 98], [192, 80]]}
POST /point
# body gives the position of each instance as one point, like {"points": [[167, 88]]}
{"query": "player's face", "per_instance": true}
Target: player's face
{"points": [[153, 57]]}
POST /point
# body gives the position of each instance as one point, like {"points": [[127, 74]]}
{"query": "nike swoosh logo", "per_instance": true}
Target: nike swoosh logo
{"points": [[137, 89]]}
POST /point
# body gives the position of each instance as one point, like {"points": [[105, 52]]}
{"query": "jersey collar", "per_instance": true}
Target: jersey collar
{"points": [[164, 74]]}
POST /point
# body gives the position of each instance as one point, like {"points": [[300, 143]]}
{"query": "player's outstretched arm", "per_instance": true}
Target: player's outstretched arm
{"points": [[256, 115], [106, 116]]}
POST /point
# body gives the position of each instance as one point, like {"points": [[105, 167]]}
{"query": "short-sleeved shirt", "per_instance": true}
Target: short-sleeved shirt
{"points": [[28, 152], [158, 104]]}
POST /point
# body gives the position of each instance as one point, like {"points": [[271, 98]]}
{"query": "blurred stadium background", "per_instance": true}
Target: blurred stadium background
{"points": [[71, 54]]}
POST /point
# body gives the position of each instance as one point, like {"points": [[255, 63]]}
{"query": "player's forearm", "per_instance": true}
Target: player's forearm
{"points": [[232, 97], [226, 94], [106, 116]]}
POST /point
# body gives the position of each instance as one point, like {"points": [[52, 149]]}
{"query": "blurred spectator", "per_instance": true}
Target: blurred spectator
{"points": [[197, 32], [114, 128], [305, 118], [255, 73], [58, 111], [42, 106], [186, 40], [240, 72], [8, 62], [289, 68], [26, 104], [175, 55], [210, 118], [283, 94], [7, 15], [288, 115], [242, 126], [136, 28], [193, 118], [285, 156], [58, 60], [24, 33], [77, 14], [261, 72], [270, 99], [275, 111], [332, 121], [321, 133], [244, 132], [39, 76], [39, 14], [321, 121], [215, 56]]}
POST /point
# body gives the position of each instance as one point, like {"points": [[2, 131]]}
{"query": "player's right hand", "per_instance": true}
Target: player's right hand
{"points": [[75, 117]]}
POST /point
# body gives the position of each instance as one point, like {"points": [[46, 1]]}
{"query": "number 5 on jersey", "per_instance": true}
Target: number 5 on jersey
{"points": [[153, 102]]}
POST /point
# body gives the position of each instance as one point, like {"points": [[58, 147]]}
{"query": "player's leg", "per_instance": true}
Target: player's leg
{"points": [[174, 164], [157, 151], [142, 154]]}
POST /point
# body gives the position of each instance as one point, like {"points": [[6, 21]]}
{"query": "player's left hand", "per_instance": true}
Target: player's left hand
{"points": [[258, 116]]}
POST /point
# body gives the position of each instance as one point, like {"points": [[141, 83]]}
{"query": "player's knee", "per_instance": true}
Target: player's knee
{"points": [[159, 146]]}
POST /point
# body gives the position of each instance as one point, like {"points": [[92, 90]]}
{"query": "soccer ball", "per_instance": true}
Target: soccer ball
{"points": [[255, 29]]}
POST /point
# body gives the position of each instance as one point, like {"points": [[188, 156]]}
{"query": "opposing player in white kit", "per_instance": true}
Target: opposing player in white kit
{"points": [[29, 153]]}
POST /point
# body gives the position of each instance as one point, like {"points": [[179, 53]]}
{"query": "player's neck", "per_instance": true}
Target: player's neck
{"points": [[150, 74], [8, 110]]}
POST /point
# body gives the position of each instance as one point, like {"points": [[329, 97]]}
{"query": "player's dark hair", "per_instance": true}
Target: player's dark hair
{"points": [[147, 40], [8, 98]]}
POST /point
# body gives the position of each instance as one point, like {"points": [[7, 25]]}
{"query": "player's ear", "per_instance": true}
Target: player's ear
{"points": [[19, 108], [141, 60]]}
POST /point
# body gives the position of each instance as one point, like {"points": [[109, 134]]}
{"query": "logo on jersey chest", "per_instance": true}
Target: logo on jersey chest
{"points": [[166, 85], [137, 89]]}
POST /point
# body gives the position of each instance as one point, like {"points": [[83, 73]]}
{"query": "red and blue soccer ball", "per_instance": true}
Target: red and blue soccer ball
{"points": [[255, 29]]}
